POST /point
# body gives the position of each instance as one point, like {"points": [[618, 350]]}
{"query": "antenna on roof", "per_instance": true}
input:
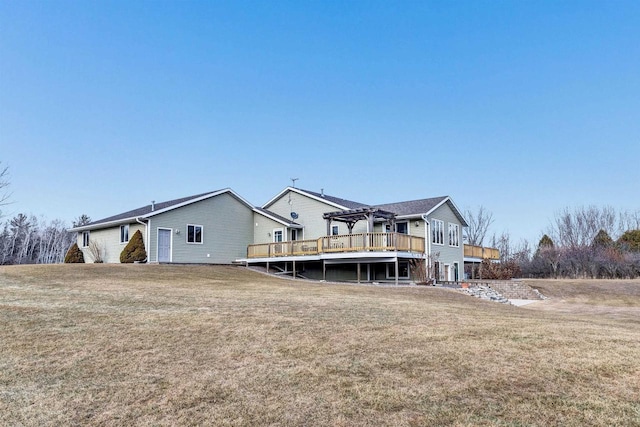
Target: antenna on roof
{"points": [[293, 180], [153, 205]]}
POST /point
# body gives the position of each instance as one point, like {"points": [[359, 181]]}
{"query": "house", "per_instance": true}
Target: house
{"points": [[298, 232], [210, 227], [332, 238]]}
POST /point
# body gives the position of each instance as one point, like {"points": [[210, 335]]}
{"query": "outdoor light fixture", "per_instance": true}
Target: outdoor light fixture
{"points": [[177, 231]]}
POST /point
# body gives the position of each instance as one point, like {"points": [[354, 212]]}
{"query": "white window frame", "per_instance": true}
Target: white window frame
{"points": [[124, 227], [437, 232], [454, 235], [405, 223], [335, 230], [86, 241], [391, 266], [194, 234], [277, 231]]}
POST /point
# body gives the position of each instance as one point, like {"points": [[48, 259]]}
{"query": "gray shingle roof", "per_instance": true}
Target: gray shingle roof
{"points": [[412, 207], [350, 204], [276, 216], [146, 210]]}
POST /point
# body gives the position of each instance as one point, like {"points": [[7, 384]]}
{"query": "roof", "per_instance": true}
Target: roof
{"points": [[422, 206], [413, 207], [277, 217], [148, 211], [335, 201]]}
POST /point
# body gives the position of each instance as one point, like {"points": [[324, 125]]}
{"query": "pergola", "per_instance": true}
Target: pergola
{"points": [[351, 216]]}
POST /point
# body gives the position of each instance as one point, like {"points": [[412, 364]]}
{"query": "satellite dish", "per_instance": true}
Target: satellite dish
{"points": [[294, 215]]}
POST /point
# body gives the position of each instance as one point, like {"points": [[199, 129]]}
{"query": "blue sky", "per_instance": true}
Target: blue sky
{"points": [[524, 107]]}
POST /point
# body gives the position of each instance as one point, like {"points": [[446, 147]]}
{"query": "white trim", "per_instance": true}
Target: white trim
{"points": [[88, 238], [199, 199], [201, 242], [433, 220], [288, 224], [126, 241], [303, 193], [105, 224], [273, 235], [170, 243], [455, 210], [456, 227]]}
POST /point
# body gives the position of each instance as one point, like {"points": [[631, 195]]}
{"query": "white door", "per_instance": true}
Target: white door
{"points": [[164, 245]]}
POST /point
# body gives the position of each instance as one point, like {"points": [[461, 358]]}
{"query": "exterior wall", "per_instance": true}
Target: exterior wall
{"points": [[310, 215], [263, 229], [108, 240], [227, 229], [448, 254]]}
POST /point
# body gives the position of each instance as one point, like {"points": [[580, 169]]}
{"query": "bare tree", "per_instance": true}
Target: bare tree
{"points": [[577, 228], [4, 184], [479, 224], [83, 219]]}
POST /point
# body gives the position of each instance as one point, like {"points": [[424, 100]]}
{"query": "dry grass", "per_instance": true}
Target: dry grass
{"points": [[183, 345]]}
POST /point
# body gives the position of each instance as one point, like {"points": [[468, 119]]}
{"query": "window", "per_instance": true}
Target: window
{"points": [[454, 235], [85, 239], [437, 232], [402, 227], [124, 233], [294, 234], [335, 230], [277, 235], [194, 233], [403, 270]]}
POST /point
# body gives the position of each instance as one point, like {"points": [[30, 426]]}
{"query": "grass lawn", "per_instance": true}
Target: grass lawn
{"points": [[197, 345]]}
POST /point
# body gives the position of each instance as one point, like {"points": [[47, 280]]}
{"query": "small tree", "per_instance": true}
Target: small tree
{"points": [[134, 251], [74, 255], [630, 240]]}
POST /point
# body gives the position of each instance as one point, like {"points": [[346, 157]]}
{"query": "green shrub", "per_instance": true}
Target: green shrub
{"points": [[74, 255], [134, 251], [630, 240]]}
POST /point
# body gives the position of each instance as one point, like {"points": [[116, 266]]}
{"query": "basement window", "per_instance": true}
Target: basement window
{"points": [[403, 270]]}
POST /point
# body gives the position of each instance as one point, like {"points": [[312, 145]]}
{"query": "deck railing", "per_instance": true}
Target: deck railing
{"points": [[360, 242], [481, 252]]}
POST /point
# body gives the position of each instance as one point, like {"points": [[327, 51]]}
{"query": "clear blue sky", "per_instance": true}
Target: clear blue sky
{"points": [[525, 107]]}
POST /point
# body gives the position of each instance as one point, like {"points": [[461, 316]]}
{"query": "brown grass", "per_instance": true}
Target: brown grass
{"points": [[184, 345]]}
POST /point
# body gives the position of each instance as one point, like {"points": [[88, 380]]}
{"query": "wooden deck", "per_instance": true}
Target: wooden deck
{"points": [[360, 242], [481, 252]]}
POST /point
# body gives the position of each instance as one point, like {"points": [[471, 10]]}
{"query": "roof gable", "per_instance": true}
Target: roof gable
{"points": [[155, 209], [330, 200], [423, 206]]}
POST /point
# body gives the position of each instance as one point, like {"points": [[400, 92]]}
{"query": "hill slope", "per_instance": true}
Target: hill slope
{"points": [[123, 344]]}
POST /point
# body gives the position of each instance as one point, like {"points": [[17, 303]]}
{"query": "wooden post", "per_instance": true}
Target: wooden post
{"points": [[294, 268], [396, 269], [358, 272], [324, 270]]}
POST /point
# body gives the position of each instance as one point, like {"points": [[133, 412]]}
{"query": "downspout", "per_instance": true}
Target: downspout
{"points": [[427, 241], [146, 235]]}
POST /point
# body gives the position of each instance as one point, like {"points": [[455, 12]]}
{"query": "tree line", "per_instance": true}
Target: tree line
{"points": [[585, 242]]}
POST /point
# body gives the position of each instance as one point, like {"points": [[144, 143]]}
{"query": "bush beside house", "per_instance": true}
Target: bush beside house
{"points": [[134, 251], [74, 255]]}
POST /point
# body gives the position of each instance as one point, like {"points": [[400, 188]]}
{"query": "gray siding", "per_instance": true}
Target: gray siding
{"points": [[227, 230], [448, 254], [263, 228], [310, 215]]}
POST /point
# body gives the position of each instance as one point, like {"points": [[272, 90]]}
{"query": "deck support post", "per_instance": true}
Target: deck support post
{"points": [[267, 267], [396, 262], [324, 270], [294, 269], [358, 269]]}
